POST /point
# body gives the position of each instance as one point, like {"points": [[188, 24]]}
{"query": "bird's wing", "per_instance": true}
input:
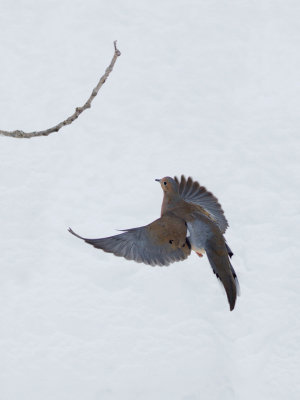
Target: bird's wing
{"points": [[160, 243], [193, 192]]}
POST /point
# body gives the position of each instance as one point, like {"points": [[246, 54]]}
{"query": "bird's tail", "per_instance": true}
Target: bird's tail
{"points": [[223, 269], [230, 253], [237, 284]]}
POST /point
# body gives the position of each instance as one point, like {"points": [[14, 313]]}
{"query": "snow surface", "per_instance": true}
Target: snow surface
{"points": [[205, 88]]}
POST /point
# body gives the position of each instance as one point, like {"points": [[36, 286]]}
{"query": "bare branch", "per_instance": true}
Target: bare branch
{"points": [[78, 110]]}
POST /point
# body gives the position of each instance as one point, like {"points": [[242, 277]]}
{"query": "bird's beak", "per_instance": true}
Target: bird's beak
{"points": [[158, 180]]}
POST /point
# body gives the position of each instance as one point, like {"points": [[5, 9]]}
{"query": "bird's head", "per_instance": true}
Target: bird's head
{"points": [[168, 185]]}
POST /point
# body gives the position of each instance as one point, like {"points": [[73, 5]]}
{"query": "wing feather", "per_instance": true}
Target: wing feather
{"points": [[160, 243], [193, 192]]}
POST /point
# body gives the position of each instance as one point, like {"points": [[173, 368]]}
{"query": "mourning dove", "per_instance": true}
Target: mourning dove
{"points": [[187, 207]]}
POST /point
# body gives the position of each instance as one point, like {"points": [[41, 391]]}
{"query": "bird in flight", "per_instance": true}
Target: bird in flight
{"points": [[191, 219]]}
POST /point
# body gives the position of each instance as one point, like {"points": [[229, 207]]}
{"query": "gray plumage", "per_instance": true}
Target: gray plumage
{"points": [[160, 243], [191, 219], [192, 192]]}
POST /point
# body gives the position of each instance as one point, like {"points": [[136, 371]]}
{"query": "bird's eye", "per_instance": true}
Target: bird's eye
{"points": [[165, 183]]}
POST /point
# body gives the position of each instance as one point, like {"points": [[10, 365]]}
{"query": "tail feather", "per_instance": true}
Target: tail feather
{"points": [[221, 266], [237, 284], [230, 253]]}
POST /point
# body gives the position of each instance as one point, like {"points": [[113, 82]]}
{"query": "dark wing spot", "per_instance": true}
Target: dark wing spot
{"points": [[171, 241]]}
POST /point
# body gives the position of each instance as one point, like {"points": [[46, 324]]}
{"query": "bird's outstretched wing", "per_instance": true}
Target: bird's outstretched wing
{"points": [[192, 192], [160, 243]]}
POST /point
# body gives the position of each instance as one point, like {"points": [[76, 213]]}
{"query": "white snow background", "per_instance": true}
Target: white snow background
{"points": [[204, 88]]}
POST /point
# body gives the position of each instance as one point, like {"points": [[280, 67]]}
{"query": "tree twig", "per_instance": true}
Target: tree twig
{"points": [[78, 110]]}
